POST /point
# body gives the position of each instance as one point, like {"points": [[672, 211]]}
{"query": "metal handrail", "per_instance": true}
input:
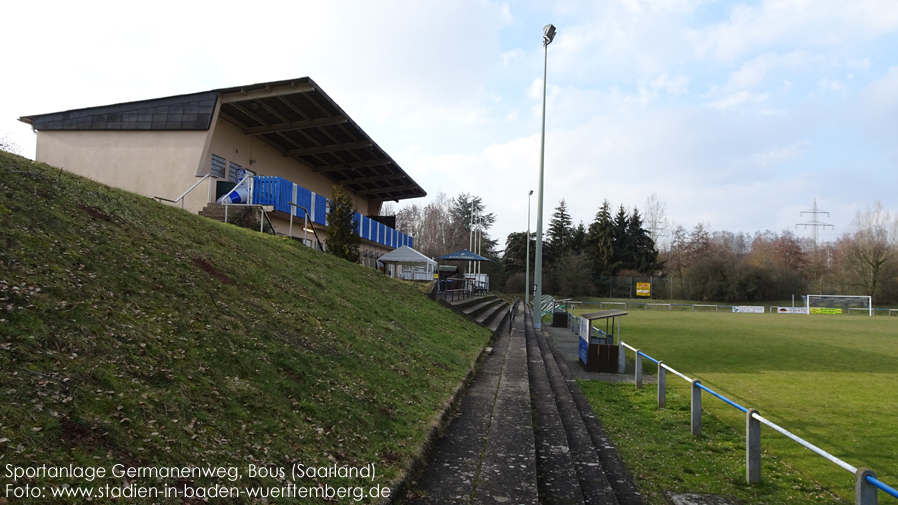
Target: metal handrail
{"points": [[181, 198], [755, 415], [883, 486], [805, 443], [308, 218], [514, 313]]}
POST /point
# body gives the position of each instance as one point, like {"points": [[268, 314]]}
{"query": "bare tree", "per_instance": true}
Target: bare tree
{"points": [[387, 209], [9, 145], [871, 250], [654, 215]]}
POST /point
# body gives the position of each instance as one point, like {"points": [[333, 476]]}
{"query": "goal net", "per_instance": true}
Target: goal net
{"points": [[838, 304]]}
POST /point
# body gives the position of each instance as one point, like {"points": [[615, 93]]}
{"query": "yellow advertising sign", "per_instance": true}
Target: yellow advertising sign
{"points": [[822, 310], [643, 289]]}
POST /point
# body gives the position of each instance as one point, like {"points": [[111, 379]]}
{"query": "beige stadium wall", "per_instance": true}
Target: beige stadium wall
{"points": [[229, 142], [149, 163]]}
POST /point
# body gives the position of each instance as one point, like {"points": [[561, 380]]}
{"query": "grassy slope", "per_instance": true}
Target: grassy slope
{"points": [[132, 332], [828, 379]]}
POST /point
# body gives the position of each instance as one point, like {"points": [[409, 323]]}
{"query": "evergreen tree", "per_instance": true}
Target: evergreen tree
{"points": [[465, 207], [560, 234], [343, 240], [578, 239], [598, 241], [515, 258], [640, 247], [619, 227]]}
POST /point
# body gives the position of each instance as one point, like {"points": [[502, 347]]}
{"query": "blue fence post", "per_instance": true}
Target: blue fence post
{"points": [[696, 408], [865, 493], [662, 385], [752, 447]]}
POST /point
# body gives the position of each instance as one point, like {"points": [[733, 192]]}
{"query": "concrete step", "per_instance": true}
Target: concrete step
{"points": [[508, 468], [214, 211], [615, 473], [498, 317], [486, 454], [556, 475], [588, 468], [485, 306], [464, 304]]}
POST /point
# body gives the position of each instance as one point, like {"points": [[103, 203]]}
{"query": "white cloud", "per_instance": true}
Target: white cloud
{"points": [[818, 24], [512, 56], [736, 99]]}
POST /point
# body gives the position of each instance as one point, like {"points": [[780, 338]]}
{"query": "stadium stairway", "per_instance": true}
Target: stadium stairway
{"points": [[488, 310], [523, 433]]}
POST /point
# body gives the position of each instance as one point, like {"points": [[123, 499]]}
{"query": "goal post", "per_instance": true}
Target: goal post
{"points": [[833, 304]]}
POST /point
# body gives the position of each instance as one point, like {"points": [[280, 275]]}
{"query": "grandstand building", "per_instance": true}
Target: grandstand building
{"points": [[290, 136]]}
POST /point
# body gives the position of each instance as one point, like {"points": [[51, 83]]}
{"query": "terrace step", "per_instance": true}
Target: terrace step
{"points": [[584, 430], [569, 431], [487, 453]]}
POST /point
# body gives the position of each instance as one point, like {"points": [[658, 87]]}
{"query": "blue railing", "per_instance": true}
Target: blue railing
{"points": [[864, 477], [279, 193]]}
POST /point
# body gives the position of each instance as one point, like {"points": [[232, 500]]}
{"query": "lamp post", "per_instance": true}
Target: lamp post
{"points": [[548, 35], [527, 275]]}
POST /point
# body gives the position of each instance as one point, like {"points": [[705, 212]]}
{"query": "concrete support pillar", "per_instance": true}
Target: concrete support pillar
{"points": [[752, 448], [621, 358], [638, 369], [864, 492], [696, 408], [662, 385]]}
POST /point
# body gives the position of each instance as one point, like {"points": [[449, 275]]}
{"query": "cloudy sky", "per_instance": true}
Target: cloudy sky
{"points": [[735, 114]]}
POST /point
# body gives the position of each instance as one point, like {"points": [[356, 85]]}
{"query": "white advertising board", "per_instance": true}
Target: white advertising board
{"points": [[748, 309], [791, 310]]}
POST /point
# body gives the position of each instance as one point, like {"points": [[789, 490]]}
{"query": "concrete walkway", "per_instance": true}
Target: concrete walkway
{"points": [[524, 434]]}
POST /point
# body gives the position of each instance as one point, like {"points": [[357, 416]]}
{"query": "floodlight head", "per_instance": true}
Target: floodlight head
{"points": [[531, 193], [548, 34]]}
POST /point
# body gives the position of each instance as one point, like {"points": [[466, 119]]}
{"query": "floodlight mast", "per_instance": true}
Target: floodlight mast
{"points": [[527, 275], [548, 36]]}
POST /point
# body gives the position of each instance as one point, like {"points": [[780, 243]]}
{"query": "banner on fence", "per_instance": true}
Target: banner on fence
{"points": [[643, 289], [825, 310], [748, 309], [791, 310]]}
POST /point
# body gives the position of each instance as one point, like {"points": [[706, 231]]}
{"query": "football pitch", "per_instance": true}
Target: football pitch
{"points": [[832, 380]]}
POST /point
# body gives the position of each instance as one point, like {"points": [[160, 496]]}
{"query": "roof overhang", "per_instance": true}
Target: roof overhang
{"points": [[294, 116]]}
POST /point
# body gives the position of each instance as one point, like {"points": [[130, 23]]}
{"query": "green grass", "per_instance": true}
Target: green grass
{"points": [[133, 332], [663, 457], [828, 379]]}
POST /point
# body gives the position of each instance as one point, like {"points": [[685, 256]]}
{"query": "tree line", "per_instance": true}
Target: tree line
{"points": [[574, 255], [697, 264]]}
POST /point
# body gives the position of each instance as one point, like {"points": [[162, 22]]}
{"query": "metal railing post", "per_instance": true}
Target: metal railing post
{"points": [[752, 448], [865, 493], [638, 369], [621, 358], [696, 408], [662, 385]]}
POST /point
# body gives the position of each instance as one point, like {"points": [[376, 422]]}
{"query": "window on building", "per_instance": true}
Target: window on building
{"points": [[233, 170], [218, 167]]}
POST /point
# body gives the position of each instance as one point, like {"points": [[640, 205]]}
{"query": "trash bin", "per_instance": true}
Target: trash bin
{"points": [[559, 319]]}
